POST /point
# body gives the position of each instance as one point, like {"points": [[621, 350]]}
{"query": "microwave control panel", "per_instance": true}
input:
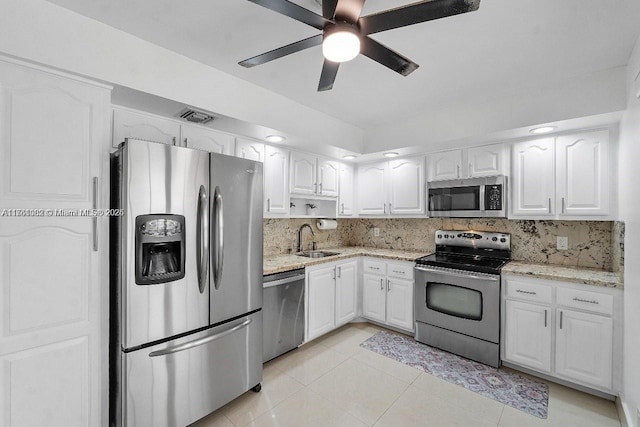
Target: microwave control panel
{"points": [[493, 197]]}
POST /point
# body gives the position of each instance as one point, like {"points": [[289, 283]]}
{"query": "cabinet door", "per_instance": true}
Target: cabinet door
{"points": [[533, 181], [320, 302], [373, 297], [129, 124], [372, 189], [207, 140], [528, 335], [407, 189], [583, 173], [345, 198], [303, 174], [400, 303], [250, 150], [328, 172], [276, 192], [584, 347], [346, 292], [486, 160], [445, 165], [54, 135]]}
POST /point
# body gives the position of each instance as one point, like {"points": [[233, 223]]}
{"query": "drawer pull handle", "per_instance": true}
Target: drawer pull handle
{"points": [[526, 292], [586, 300]]}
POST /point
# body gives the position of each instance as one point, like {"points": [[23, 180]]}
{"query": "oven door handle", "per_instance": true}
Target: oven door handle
{"points": [[459, 274]]}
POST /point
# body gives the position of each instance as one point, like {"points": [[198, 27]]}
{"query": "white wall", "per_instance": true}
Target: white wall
{"points": [[629, 176], [51, 35]]}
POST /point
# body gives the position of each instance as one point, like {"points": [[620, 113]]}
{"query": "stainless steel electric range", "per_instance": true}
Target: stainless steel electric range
{"points": [[457, 294]]}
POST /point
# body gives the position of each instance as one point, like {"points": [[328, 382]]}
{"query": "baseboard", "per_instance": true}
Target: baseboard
{"points": [[624, 412]]}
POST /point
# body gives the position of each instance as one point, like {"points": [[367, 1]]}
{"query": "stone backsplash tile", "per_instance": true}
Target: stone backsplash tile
{"points": [[595, 244]]}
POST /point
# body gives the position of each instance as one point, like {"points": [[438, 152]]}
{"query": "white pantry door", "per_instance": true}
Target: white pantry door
{"points": [[54, 134]]}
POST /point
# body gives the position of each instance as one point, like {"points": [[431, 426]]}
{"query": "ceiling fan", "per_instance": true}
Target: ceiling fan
{"points": [[345, 33]]}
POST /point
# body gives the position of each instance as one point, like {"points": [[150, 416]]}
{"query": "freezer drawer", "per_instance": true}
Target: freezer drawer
{"points": [[178, 382]]}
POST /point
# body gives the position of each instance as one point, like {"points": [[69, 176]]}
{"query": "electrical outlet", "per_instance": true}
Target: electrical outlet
{"points": [[562, 243], [376, 232]]}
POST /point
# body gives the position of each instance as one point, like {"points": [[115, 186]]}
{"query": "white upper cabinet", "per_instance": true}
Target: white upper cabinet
{"points": [[372, 188], [533, 180], [328, 177], [445, 165], [312, 176], [407, 192], [563, 177], [303, 174], [346, 193], [250, 149], [133, 124], [396, 187], [486, 160], [474, 162], [207, 139], [583, 173], [276, 191]]}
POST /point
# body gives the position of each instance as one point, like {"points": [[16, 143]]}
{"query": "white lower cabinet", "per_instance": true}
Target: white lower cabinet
{"points": [[387, 293], [564, 330], [528, 335], [331, 296], [584, 344]]}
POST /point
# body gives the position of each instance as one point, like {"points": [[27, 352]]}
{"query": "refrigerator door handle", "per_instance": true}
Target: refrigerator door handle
{"points": [[199, 342], [218, 238], [202, 235]]}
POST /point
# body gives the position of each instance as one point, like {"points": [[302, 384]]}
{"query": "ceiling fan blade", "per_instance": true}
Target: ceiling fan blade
{"points": [[294, 11], [282, 51], [415, 13], [329, 8], [387, 57], [328, 76], [349, 10]]}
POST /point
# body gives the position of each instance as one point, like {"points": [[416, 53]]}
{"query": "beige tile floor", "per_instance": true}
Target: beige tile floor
{"points": [[334, 382]]}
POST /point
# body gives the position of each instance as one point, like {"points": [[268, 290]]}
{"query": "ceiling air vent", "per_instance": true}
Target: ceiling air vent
{"points": [[196, 116]]}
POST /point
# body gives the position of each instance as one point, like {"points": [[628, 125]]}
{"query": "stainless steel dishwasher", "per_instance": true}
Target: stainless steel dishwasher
{"points": [[283, 313]]}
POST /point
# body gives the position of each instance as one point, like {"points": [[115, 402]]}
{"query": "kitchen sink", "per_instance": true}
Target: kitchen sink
{"points": [[317, 254]]}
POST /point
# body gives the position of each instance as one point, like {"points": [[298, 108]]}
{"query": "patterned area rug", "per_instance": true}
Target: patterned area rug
{"points": [[506, 387]]}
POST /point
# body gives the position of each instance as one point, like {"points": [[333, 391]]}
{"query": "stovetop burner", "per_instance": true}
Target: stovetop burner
{"points": [[470, 250]]}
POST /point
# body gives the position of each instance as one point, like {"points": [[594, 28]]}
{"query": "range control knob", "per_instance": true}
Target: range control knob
{"points": [[502, 240], [446, 236], [495, 239], [439, 236]]}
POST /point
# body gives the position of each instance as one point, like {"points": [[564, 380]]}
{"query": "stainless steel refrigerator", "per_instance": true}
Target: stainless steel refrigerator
{"points": [[186, 283]]}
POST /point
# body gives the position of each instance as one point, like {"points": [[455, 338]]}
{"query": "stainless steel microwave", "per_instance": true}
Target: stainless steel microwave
{"points": [[469, 198]]}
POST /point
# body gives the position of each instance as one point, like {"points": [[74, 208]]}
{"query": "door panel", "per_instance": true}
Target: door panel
{"points": [[250, 150], [207, 140], [372, 189], [129, 124], [276, 169], [236, 253], [533, 183], [303, 174], [373, 297], [407, 186], [162, 180], [345, 200], [445, 165], [400, 303], [327, 178], [321, 302], [528, 335], [346, 292]]}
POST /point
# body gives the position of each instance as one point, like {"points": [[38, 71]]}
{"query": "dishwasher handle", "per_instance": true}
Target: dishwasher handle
{"points": [[283, 281]]}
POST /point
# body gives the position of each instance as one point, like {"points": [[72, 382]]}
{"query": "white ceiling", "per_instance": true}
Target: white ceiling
{"points": [[504, 48]]}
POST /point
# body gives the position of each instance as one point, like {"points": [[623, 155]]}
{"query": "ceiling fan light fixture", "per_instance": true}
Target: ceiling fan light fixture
{"points": [[341, 43]]}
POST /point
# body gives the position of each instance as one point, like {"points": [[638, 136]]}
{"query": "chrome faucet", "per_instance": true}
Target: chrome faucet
{"points": [[300, 235]]}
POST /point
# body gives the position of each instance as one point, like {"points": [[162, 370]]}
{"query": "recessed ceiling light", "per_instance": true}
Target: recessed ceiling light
{"points": [[391, 154], [349, 157], [543, 129], [275, 138]]}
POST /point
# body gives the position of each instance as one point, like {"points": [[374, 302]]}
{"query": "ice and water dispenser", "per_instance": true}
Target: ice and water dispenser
{"points": [[159, 249]]}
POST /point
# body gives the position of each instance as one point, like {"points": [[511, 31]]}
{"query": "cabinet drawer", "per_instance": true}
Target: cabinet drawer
{"points": [[402, 271], [585, 300], [374, 267], [529, 291]]}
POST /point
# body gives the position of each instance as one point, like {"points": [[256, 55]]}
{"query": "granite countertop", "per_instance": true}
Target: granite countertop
{"points": [[280, 263], [587, 276]]}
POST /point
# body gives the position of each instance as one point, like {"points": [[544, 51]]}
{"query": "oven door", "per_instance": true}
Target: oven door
{"points": [[460, 301]]}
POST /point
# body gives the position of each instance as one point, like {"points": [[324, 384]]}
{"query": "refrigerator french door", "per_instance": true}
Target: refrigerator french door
{"points": [[186, 293]]}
